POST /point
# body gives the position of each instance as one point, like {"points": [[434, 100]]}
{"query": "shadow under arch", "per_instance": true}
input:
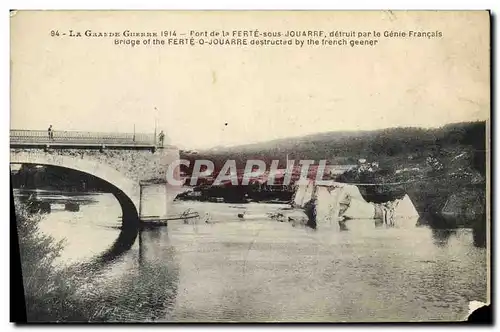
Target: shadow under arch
{"points": [[128, 233], [100, 184], [130, 217]]}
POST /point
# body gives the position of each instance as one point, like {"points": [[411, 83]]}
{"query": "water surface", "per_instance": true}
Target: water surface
{"points": [[262, 270]]}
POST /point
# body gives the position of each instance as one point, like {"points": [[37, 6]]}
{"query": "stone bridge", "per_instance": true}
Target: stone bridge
{"points": [[133, 165]]}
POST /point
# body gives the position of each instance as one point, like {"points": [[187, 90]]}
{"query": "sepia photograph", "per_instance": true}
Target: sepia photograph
{"points": [[251, 166]]}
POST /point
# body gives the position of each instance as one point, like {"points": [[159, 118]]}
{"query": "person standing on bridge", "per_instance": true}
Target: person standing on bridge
{"points": [[51, 133], [161, 137]]}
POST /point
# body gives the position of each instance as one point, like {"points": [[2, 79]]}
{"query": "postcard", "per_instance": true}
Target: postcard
{"points": [[251, 166]]}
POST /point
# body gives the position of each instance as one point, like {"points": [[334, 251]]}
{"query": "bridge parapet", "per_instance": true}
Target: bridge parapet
{"points": [[80, 138]]}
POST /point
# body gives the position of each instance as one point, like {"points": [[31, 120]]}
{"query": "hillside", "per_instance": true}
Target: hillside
{"points": [[441, 168], [346, 147]]}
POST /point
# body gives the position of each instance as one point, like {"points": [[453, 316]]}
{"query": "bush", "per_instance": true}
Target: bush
{"points": [[49, 291]]}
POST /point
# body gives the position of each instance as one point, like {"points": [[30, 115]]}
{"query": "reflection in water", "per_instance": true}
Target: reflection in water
{"points": [[122, 244], [148, 287], [262, 270], [343, 225], [443, 228], [137, 285], [479, 233], [119, 278], [441, 236], [378, 223]]}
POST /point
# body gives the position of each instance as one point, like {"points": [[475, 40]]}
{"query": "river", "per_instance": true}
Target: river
{"points": [[263, 270]]}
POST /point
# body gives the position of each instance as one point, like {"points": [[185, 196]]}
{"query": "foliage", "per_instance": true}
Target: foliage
{"points": [[50, 292], [45, 290]]}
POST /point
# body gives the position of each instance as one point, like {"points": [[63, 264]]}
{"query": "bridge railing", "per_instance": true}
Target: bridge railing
{"points": [[80, 137]]}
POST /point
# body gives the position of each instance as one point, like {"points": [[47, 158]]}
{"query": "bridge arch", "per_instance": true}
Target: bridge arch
{"points": [[126, 191]]}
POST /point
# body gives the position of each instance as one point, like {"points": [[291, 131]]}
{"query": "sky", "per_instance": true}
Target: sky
{"points": [[221, 96]]}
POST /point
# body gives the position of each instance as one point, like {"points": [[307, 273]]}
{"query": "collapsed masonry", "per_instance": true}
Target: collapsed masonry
{"points": [[340, 201]]}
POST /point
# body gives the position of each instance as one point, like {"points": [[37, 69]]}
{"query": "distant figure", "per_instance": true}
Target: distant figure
{"points": [[161, 137], [51, 132], [310, 211]]}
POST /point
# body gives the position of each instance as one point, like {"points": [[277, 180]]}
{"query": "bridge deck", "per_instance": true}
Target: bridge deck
{"points": [[36, 138]]}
